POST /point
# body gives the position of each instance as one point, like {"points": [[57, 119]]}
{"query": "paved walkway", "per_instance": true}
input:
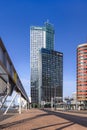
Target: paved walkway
{"points": [[35, 119]]}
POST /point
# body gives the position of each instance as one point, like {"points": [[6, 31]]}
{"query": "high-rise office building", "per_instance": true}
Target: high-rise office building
{"points": [[50, 75], [40, 37], [82, 72]]}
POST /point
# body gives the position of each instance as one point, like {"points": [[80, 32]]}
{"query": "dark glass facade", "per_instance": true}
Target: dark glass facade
{"points": [[51, 75]]}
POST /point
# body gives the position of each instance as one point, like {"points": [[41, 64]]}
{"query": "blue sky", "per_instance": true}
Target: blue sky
{"points": [[70, 22]]}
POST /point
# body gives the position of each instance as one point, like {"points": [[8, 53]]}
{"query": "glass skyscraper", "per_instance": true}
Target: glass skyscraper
{"points": [[50, 75], [42, 38]]}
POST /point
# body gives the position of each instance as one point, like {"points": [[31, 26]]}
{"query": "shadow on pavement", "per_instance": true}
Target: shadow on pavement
{"points": [[72, 118], [21, 121], [4, 117], [8, 115], [39, 128]]}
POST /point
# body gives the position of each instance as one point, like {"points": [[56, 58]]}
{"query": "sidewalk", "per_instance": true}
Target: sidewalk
{"points": [[35, 119]]}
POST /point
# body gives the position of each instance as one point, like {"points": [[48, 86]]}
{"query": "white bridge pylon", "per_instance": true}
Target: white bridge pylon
{"points": [[18, 101]]}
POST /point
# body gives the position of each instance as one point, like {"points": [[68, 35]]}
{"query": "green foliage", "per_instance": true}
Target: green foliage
{"points": [[35, 105], [47, 105]]}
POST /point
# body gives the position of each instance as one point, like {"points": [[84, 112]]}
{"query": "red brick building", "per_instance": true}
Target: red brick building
{"points": [[82, 72]]}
